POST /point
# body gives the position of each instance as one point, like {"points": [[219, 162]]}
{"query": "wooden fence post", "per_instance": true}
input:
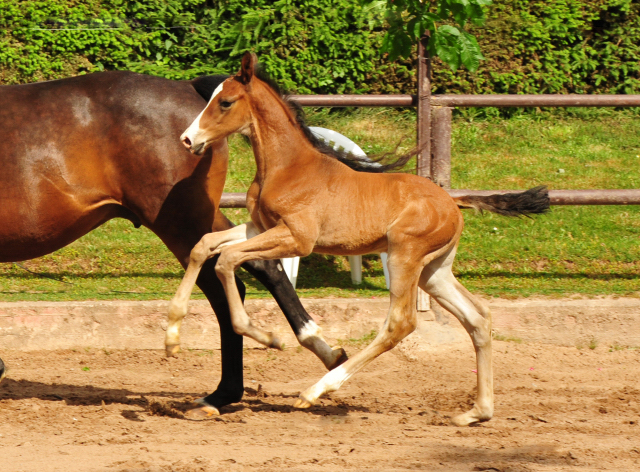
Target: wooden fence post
{"points": [[423, 164], [424, 109], [441, 146]]}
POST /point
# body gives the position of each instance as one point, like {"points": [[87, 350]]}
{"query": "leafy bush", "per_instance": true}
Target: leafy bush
{"points": [[554, 46], [321, 46]]}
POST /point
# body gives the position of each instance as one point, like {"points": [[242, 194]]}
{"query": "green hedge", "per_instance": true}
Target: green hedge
{"points": [[555, 46], [321, 46]]}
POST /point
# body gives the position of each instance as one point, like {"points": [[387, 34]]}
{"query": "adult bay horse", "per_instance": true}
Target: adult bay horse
{"points": [[302, 200], [77, 152]]}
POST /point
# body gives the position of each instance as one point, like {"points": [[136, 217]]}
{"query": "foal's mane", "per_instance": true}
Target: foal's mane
{"points": [[372, 164]]}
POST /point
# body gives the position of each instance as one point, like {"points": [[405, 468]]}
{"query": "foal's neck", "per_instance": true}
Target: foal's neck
{"points": [[278, 142]]}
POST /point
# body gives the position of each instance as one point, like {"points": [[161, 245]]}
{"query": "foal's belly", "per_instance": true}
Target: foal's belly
{"points": [[352, 236]]}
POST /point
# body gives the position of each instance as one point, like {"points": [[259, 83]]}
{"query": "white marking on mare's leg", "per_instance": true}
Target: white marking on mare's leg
{"points": [[310, 337], [309, 329]]}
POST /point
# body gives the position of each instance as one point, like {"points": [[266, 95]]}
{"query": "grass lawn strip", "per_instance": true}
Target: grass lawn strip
{"points": [[591, 251]]}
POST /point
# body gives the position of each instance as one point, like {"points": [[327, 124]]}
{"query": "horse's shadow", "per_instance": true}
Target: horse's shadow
{"points": [[257, 405], [159, 403]]}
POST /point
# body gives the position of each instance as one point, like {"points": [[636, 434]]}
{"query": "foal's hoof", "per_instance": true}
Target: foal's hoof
{"points": [[172, 350], [302, 403], [471, 417], [276, 343], [202, 413], [339, 357]]}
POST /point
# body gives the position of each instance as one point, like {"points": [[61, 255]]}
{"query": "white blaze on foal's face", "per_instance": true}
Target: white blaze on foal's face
{"points": [[190, 136]]}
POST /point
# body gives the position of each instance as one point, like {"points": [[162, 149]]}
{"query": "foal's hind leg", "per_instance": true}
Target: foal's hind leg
{"points": [[439, 282], [401, 321], [207, 247]]}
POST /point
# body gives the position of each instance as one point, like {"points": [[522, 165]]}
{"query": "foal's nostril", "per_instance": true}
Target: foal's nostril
{"points": [[187, 142]]}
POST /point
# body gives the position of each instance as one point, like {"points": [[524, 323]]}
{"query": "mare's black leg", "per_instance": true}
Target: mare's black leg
{"points": [[309, 334], [277, 282], [231, 386], [3, 369]]}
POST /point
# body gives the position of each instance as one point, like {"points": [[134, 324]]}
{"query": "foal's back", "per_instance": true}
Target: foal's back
{"points": [[367, 210]]}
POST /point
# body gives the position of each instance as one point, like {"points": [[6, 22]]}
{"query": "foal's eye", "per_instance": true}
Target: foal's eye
{"points": [[225, 105]]}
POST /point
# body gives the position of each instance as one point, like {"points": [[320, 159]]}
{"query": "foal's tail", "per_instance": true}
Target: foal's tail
{"points": [[535, 200]]}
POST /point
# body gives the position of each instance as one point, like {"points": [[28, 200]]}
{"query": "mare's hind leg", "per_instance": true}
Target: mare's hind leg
{"points": [[439, 282], [207, 247], [308, 333], [401, 321]]}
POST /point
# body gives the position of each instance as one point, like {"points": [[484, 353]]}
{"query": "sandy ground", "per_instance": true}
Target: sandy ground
{"points": [[557, 408]]}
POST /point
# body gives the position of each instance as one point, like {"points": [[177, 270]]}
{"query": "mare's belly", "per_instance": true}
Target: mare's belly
{"points": [[32, 230]]}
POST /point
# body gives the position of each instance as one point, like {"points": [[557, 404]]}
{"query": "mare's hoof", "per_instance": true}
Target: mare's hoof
{"points": [[3, 370], [202, 413], [172, 350], [302, 403], [201, 401], [339, 357]]}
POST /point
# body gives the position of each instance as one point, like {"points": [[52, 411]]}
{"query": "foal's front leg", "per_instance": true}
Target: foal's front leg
{"points": [[275, 243], [210, 245]]}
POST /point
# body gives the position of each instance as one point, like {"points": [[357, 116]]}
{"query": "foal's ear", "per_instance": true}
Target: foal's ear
{"points": [[248, 67]]}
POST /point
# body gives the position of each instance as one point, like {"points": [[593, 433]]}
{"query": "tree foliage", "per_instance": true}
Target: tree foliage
{"points": [[409, 20]]}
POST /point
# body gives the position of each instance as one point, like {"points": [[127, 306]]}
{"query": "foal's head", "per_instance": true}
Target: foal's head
{"points": [[227, 112], [230, 111]]}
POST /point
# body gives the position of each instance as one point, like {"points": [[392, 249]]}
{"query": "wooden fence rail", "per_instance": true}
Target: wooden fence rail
{"points": [[434, 134]]}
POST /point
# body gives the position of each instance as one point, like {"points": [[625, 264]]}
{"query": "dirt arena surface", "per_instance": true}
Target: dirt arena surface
{"points": [[557, 408]]}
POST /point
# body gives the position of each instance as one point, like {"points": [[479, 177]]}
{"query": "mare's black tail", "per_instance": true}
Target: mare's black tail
{"points": [[535, 200]]}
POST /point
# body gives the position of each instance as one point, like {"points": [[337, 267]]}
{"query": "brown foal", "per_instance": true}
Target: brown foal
{"points": [[303, 201]]}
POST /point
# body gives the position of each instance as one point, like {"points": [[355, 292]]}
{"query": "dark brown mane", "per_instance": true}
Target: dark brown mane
{"points": [[373, 164]]}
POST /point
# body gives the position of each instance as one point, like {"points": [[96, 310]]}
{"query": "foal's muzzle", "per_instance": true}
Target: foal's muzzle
{"points": [[195, 149], [186, 142]]}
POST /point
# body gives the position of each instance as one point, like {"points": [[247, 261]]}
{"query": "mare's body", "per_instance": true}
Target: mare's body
{"points": [[302, 200], [77, 152]]}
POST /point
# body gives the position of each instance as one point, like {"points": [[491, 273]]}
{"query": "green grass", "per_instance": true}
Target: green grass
{"points": [[507, 339], [364, 340], [588, 251]]}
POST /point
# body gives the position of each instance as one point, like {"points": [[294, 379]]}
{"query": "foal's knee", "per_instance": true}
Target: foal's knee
{"points": [[240, 328], [225, 266], [198, 254]]}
